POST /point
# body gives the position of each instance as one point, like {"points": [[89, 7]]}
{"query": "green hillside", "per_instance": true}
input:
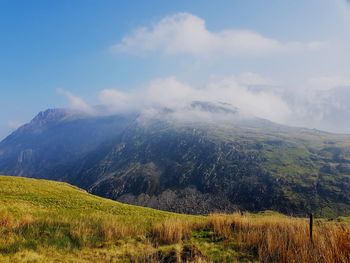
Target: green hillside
{"points": [[39, 198], [45, 221]]}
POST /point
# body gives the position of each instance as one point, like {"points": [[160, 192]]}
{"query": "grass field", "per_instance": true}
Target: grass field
{"points": [[44, 221]]}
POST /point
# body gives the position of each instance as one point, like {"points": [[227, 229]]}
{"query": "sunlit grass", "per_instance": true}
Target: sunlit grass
{"points": [[44, 221]]}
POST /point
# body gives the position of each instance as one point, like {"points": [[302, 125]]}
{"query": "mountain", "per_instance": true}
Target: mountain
{"points": [[197, 159], [55, 140]]}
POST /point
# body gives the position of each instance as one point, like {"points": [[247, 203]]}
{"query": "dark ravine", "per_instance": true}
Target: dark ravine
{"points": [[192, 167]]}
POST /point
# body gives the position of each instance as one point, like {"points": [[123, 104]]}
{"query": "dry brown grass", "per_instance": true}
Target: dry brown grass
{"points": [[173, 230], [9, 221], [285, 239], [106, 229], [222, 224], [269, 238], [16, 232]]}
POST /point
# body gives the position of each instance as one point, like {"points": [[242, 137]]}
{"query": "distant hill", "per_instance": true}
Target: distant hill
{"points": [[205, 157]]}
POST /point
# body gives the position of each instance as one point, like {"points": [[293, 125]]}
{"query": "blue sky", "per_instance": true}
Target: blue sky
{"points": [[77, 46]]}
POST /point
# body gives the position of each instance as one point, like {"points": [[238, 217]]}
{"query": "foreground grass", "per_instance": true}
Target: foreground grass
{"points": [[44, 221]]}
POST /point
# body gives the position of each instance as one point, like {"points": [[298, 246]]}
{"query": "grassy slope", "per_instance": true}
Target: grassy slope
{"points": [[44, 221], [40, 198]]}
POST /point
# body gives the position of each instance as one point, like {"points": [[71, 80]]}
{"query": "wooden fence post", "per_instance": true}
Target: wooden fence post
{"points": [[311, 224]]}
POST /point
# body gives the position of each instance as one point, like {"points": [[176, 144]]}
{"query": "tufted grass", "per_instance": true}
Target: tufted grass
{"points": [[45, 221]]}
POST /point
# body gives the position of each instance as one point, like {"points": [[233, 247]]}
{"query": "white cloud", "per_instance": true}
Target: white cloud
{"points": [[321, 102], [169, 92], [250, 78], [77, 103], [327, 82], [176, 95], [264, 103], [117, 101], [184, 33]]}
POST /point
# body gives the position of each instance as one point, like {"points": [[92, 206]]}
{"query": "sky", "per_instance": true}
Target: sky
{"points": [[287, 61]]}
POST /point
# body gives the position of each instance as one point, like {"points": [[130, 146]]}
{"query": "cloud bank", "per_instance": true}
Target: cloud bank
{"points": [[310, 105], [185, 33], [176, 95]]}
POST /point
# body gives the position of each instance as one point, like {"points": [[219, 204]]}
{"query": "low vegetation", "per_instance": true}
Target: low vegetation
{"points": [[277, 238], [44, 221]]}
